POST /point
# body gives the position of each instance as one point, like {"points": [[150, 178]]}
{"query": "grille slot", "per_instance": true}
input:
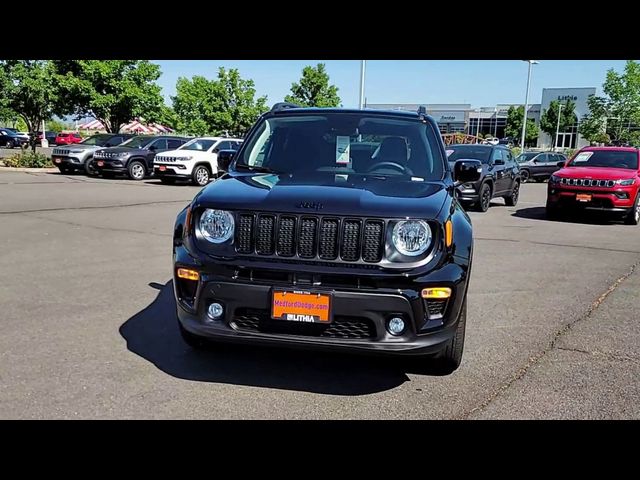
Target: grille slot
{"points": [[350, 250], [329, 239], [245, 234], [308, 232], [286, 236], [264, 238], [372, 246]]}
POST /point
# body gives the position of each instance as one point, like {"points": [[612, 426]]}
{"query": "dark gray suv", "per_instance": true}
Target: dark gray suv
{"points": [[538, 166]]}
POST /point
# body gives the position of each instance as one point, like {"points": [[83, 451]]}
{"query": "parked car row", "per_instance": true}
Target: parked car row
{"points": [[604, 179], [137, 157], [11, 138]]}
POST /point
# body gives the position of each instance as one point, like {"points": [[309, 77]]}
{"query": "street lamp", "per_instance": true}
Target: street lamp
{"points": [[558, 125], [526, 102], [362, 68], [495, 127]]}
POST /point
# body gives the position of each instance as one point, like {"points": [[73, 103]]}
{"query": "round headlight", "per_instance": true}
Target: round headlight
{"points": [[411, 237], [216, 225]]}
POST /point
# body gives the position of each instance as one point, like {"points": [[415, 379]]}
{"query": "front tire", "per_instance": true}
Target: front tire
{"points": [[633, 217], [485, 198], [512, 200], [201, 175], [136, 171], [448, 360], [89, 168], [525, 175]]}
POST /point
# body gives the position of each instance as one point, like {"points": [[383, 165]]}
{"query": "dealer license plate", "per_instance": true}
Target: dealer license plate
{"points": [[301, 306], [583, 197]]}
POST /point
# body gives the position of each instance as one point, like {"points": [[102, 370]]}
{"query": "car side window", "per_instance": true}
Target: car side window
{"points": [[77, 135], [508, 158], [174, 144], [160, 144], [223, 146], [542, 158], [112, 142], [496, 155]]}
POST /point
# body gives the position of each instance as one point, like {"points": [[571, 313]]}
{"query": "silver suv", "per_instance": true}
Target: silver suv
{"points": [[80, 155]]}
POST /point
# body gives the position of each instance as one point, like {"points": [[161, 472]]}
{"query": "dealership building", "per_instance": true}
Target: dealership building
{"points": [[463, 118]]}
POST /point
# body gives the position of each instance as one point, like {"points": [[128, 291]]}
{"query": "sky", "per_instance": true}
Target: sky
{"points": [[477, 82]]}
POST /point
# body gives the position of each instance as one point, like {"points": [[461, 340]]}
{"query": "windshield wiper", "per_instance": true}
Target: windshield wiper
{"points": [[255, 168]]}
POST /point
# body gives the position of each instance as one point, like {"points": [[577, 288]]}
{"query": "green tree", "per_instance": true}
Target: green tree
{"points": [[514, 125], [30, 89], [55, 126], [112, 91], [549, 118], [224, 106], [619, 108], [314, 89]]}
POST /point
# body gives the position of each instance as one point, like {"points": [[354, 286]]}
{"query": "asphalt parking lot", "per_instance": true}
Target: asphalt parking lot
{"points": [[87, 326]]}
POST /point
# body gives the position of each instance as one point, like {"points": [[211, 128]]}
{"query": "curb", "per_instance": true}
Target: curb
{"points": [[28, 170]]}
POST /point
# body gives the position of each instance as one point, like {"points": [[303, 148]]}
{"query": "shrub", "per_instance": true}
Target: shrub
{"points": [[28, 159]]}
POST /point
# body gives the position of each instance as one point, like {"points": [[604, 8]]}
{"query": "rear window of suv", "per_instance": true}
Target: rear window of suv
{"points": [[606, 159]]}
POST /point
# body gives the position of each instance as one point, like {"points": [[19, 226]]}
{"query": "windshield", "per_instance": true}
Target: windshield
{"points": [[472, 152], [198, 144], [345, 143], [525, 157], [137, 142], [606, 158], [99, 140]]}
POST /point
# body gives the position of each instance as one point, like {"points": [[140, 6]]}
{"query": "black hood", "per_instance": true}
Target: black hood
{"points": [[328, 194], [125, 150]]}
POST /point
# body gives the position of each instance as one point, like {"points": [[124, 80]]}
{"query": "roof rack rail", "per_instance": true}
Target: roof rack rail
{"points": [[283, 106]]}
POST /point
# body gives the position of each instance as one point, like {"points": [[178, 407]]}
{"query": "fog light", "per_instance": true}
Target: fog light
{"points": [[395, 326], [215, 311]]}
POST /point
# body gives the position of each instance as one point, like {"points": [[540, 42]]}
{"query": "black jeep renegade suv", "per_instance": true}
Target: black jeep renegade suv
{"points": [[332, 228]]}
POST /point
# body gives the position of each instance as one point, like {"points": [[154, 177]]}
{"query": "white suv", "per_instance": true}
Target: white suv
{"points": [[196, 160]]}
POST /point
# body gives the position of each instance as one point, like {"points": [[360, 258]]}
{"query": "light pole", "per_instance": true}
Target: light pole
{"points": [[495, 127], [362, 68], [526, 103], [558, 126]]}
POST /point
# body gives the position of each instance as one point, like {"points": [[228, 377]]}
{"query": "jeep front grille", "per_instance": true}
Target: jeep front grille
{"points": [[310, 237], [587, 182]]}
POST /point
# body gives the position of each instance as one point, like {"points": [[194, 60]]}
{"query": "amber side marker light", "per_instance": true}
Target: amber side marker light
{"points": [[187, 274], [436, 293], [448, 233]]}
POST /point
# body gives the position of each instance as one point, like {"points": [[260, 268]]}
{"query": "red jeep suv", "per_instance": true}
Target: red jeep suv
{"points": [[68, 138], [598, 178]]}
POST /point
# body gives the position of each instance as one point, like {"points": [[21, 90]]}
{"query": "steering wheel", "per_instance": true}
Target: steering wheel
{"points": [[394, 165]]}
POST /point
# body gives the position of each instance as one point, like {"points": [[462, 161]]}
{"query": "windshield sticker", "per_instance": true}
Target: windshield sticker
{"points": [[583, 157], [343, 147], [449, 152], [417, 179]]}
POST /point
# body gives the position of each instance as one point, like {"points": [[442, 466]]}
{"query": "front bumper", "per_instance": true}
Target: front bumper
{"points": [[172, 171], [359, 314], [73, 162], [468, 193], [615, 200], [110, 165]]}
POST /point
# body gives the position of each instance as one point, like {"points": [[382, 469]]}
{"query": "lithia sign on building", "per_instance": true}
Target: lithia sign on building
{"points": [[567, 97]]}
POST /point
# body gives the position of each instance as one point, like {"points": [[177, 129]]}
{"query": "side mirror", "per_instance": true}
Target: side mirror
{"points": [[467, 171], [215, 150], [498, 161], [153, 148], [561, 164], [224, 159]]}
